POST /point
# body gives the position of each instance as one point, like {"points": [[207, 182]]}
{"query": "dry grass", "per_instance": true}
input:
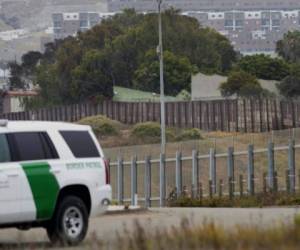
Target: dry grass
{"points": [[208, 236], [260, 200], [189, 236]]}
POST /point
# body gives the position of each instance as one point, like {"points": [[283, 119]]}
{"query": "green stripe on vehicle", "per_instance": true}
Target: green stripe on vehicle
{"points": [[44, 188]]}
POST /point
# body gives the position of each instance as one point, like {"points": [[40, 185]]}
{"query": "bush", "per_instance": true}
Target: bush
{"points": [[259, 200], [190, 134], [149, 132], [102, 125]]}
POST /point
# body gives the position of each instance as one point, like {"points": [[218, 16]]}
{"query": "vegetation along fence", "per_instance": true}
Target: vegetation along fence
{"points": [[246, 115], [153, 181]]}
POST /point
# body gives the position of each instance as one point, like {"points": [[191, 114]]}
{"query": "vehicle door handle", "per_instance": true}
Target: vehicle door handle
{"points": [[12, 175], [55, 171]]}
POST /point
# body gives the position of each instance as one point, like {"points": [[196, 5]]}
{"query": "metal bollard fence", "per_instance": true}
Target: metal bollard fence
{"points": [[178, 173], [213, 170], [155, 182]]}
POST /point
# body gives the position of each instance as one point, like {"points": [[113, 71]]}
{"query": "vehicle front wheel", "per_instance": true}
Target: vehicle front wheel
{"points": [[69, 224]]}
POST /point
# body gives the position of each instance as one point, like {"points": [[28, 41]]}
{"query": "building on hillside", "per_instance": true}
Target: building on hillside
{"points": [[206, 87], [251, 32], [251, 26], [207, 5], [11, 101], [4, 77], [12, 34], [68, 24]]}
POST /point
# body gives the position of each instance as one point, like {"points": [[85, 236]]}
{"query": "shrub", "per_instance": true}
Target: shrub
{"points": [[149, 132], [259, 200], [102, 125], [190, 134]]}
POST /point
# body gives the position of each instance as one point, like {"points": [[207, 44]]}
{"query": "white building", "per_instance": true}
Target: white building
{"points": [[12, 34]]}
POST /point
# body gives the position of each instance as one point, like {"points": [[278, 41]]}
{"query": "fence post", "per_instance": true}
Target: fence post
{"points": [[230, 171], [264, 177], [271, 165], [200, 191], [162, 182], [120, 174], [195, 173], [220, 188], [212, 170], [298, 181], [287, 179], [275, 182], [291, 163], [178, 173], [241, 181], [251, 170], [134, 181], [210, 188], [148, 181]]}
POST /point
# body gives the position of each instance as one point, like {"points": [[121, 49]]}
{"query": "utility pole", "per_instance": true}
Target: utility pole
{"points": [[162, 91]]}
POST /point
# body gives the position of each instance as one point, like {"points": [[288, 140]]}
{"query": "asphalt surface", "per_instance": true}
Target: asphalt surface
{"points": [[106, 227]]}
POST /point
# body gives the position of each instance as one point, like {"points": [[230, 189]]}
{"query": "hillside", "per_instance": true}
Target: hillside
{"points": [[34, 14]]}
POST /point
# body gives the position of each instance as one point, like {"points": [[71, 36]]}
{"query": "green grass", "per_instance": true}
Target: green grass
{"points": [[132, 95]]}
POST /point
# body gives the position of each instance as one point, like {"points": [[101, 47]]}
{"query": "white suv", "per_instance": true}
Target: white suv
{"points": [[52, 175]]}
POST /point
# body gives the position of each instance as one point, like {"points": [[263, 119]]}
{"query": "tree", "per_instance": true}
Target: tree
{"points": [[242, 84], [177, 74], [31, 59], [67, 57], [120, 46], [289, 47], [15, 80], [290, 86], [264, 67], [92, 78]]}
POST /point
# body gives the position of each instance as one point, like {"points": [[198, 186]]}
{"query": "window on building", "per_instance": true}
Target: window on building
{"points": [[275, 22], [83, 23], [57, 24], [228, 23], [265, 22], [239, 23]]}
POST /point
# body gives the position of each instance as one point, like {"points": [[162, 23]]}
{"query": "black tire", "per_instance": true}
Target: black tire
{"points": [[72, 234]]}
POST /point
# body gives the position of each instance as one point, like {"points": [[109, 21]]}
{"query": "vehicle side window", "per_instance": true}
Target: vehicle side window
{"points": [[4, 149], [81, 144], [30, 146]]}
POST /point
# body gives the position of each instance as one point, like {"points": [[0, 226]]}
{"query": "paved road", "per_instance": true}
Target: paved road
{"points": [[105, 227]]}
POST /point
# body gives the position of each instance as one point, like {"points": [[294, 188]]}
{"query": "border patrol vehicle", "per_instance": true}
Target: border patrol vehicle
{"points": [[52, 175]]}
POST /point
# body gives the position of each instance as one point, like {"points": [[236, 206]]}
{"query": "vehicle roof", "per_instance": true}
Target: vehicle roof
{"points": [[40, 126]]}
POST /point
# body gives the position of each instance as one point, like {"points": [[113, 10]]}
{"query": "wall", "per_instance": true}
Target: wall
{"points": [[251, 115]]}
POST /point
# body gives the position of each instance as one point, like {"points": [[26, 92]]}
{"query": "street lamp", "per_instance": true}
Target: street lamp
{"points": [[162, 92]]}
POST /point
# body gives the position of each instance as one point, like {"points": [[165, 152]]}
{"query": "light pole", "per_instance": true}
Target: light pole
{"points": [[162, 91]]}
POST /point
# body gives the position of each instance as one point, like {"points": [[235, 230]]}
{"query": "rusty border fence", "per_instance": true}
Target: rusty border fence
{"points": [[244, 115], [237, 184]]}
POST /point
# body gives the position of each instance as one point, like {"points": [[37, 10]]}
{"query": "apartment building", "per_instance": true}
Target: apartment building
{"points": [[68, 24], [251, 31], [252, 26], [207, 5]]}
